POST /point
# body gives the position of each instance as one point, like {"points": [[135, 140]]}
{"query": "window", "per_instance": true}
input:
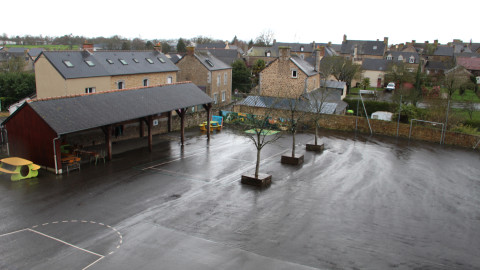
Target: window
{"points": [[135, 60], [123, 62], [110, 61], [68, 63], [169, 80], [161, 60], [145, 82], [400, 58], [89, 90], [209, 77], [374, 47], [224, 94], [215, 98], [218, 80], [268, 54], [149, 60], [411, 60], [120, 84], [89, 63], [302, 49], [225, 77], [193, 109], [294, 73], [389, 57]]}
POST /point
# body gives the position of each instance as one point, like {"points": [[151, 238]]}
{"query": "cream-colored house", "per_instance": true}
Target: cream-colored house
{"points": [[375, 69], [63, 73]]}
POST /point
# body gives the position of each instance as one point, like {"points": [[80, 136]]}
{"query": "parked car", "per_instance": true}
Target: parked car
{"points": [[390, 86]]}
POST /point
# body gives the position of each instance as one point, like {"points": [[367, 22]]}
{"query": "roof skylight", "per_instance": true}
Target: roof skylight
{"points": [[209, 62], [161, 60], [135, 60], [123, 61], [110, 61], [149, 60], [68, 63], [90, 63]]}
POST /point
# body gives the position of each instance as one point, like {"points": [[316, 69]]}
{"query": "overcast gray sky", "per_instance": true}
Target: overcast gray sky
{"points": [[290, 21]]}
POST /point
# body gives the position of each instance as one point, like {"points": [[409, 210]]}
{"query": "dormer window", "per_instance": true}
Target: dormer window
{"points": [[411, 60], [89, 63], [110, 61], [400, 58], [149, 60], [135, 60], [374, 47], [68, 63], [389, 57], [302, 49], [123, 62], [161, 60]]}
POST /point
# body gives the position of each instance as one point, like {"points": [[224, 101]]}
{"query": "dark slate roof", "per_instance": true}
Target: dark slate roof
{"points": [[75, 113], [224, 55], [437, 65], [220, 45], [444, 51], [102, 68], [295, 47], [406, 56], [374, 64], [205, 57], [174, 57], [35, 52], [17, 50], [304, 105], [364, 47], [308, 69]]}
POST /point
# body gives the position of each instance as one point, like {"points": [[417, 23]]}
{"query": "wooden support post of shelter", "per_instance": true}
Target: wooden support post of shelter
{"points": [[141, 129], [181, 113], [208, 108], [149, 121], [169, 121], [108, 140]]}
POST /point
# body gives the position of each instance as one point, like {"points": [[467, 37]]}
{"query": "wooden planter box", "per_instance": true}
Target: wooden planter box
{"points": [[315, 148], [297, 160], [263, 180]]}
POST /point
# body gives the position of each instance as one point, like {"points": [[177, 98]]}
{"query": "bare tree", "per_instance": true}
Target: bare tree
{"points": [[265, 38]]}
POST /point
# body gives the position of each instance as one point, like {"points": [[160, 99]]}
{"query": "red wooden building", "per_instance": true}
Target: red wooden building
{"points": [[34, 130]]}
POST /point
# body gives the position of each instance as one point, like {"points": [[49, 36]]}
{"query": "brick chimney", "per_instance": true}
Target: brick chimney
{"points": [[344, 38], [284, 53], [319, 54], [385, 41], [87, 47], [190, 50], [158, 47]]}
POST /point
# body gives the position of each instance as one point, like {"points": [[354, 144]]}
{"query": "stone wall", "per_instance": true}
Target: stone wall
{"points": [[388, 128]]}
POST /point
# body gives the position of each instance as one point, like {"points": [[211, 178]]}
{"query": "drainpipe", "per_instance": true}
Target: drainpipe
{"points": [[55, 154], [6, 140]]}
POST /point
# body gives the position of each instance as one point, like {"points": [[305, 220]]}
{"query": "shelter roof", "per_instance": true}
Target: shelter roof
{"points": [[86, 111]]}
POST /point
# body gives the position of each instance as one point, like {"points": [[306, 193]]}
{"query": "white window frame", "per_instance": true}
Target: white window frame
{"points": [[225, 77], [147, 82], [400, 58], [389, 57], [215, 98], [89, 90], [411, 60], [209, 77], [121, 83], [218, 80], [294, 73], [169, 80], [224, 96]]}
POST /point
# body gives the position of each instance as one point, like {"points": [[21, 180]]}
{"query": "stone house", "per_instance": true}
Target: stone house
{"points": [[410, 59], [64, 73], [363, 49], [289, 76], [210, 74]]}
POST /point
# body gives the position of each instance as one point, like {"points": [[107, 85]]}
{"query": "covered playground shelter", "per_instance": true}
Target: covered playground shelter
{"points": [[35, 129]]}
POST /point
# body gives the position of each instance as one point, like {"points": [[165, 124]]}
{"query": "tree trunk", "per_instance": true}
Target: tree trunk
{"points": [[257, 165], [316, 134], [293, 143]]}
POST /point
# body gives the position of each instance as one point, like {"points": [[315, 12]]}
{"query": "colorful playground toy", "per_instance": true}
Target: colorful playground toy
{"points": [[21, 168], [215, 124]]}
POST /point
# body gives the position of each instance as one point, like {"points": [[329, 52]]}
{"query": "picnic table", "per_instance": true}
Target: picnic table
{"points": [[19, 168]]}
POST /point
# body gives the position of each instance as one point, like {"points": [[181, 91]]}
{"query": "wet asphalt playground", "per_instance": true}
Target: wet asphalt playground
{"points": [[364, 203]]}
